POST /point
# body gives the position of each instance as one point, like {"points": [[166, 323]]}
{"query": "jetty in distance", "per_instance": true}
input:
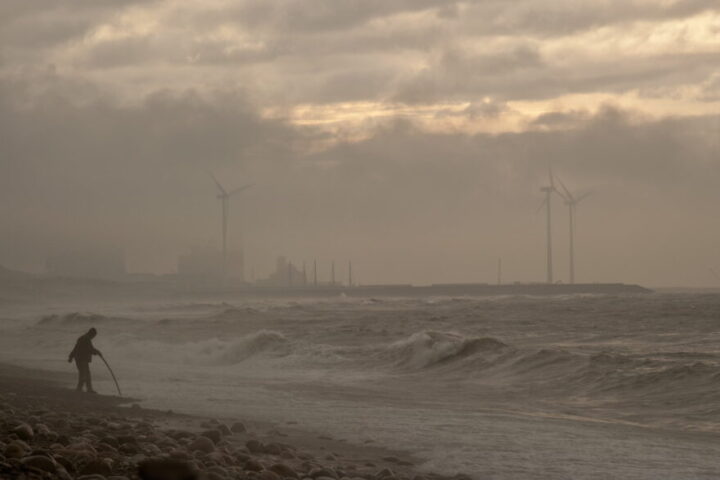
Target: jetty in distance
{"points": [[18, 285], [450, 289]]}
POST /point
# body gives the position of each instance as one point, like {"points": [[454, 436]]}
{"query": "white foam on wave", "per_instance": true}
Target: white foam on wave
{"points": [[428, 348]]}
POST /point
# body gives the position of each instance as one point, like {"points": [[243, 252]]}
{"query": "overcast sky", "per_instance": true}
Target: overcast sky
{"points": [[411, 136]]}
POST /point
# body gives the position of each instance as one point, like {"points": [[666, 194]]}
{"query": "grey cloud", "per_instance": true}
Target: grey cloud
{"points": [[560, 119], [557, 17], [329, 15], [475, 17], [525, 75], [324, 51], [455, 71], [711, 88], [132, 51], [45, 23]]}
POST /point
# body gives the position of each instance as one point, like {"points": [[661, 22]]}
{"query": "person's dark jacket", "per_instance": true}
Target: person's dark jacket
{"points": [[83, 350]]}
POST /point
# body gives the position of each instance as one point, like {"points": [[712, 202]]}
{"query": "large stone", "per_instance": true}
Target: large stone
{"points": [[241, 457], [123, 439], [67, 464], [218, 471], [104, 447], [97, 467], [112, 441], [152, 449], [238, 427], [255, 446], [42, 429], [213, 435], [223, 429], [62, 474], [272, 449], [283, 470], [253, 465], [24, 432], [268, 475], [94, 476], [40, 462], [167, 469], [201, 444], [16, 449], [179, 454]]}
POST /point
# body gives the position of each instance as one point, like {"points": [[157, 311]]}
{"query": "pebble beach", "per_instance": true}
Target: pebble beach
{"points": [[49, 431]]}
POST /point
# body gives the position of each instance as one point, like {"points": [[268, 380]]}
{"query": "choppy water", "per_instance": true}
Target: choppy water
{"points": [[575, 387]]}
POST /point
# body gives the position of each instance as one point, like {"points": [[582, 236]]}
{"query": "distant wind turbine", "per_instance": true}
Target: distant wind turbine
{"points": [[547, 202], [571, 201], [224, 197]]}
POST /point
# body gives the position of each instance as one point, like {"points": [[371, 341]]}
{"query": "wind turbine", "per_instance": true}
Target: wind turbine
{"points": [[548, 191], [224, 197], [571, 201]]}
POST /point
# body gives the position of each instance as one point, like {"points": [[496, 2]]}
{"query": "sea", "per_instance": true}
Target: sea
{"points": [[510, 387]]}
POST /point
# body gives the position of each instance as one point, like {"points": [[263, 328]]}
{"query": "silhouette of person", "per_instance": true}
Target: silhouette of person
{"points": [[82, 354]]}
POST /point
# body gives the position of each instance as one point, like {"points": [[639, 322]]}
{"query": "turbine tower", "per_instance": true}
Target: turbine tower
{"points": [[224, 197], [548, 191], [571, 201]]}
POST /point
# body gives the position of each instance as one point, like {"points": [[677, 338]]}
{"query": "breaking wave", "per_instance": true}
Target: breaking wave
{"points": [[264, 342], [208, 352], [428, 349], [75, 318]]}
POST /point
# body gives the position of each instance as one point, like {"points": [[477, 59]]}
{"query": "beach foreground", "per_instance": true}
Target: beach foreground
{"points": [[50, 431]]}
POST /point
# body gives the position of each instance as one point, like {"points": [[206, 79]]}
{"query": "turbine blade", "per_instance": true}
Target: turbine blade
{"points": [[583, 196], [542, 204], [569, 196], [551, 176], [220, 187], [240, 189]]}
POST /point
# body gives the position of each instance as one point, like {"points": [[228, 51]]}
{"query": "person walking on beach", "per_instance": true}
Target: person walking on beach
{"points": [[82, 354]]}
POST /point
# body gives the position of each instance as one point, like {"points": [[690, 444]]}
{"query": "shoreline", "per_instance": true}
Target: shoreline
{"points": [[80, 434]]}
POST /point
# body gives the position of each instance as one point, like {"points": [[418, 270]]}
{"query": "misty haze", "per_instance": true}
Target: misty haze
{"points": [[360, 239]]}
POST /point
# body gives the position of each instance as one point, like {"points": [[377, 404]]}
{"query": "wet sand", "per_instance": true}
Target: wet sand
{"points": [[47, 430]]}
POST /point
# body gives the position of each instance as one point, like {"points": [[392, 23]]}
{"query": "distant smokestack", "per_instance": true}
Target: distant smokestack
{"points": [[315, 272], [350, 284], [304, 275]]}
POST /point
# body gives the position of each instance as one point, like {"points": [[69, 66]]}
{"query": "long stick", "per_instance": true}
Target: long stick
{"points": [[113, 375]]}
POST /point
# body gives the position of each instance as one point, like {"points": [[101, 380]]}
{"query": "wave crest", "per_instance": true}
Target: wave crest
{"points": [[75, 318], [429, 348], [263, 342]]}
